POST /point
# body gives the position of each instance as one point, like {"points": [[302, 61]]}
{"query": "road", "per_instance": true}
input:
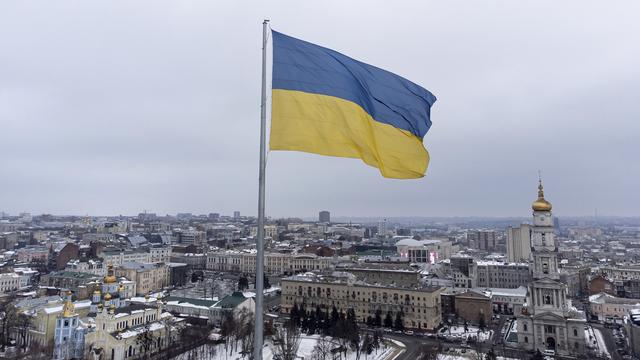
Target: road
{"points": [[271, 300], [414, 342], [609, 340]]}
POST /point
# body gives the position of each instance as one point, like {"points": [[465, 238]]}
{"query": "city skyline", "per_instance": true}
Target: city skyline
{"points": [[109, 110]]}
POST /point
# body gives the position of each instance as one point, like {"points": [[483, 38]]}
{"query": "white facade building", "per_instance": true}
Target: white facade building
{"points": [[424, 251], [274, 263]]}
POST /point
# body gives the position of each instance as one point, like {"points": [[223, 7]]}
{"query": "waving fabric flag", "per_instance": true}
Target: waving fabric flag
{"points": [[326, 103]]}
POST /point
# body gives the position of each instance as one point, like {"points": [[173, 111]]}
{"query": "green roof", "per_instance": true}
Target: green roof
{"points": [[231, 301], [73, 275], [198, 302]]}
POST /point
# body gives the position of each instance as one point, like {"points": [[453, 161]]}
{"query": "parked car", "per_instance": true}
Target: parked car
{"points": [[549, 352]]}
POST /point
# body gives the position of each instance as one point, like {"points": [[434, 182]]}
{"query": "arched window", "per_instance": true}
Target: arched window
{"points": [[547, 299], [524, 327], [526, 339], [130, 350], [575, 332]]}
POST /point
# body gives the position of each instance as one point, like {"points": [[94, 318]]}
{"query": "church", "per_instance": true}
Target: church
{"points": [[547, 319]]}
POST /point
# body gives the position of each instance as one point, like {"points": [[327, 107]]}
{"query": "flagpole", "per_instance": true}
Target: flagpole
{"points": [[259, 322]]}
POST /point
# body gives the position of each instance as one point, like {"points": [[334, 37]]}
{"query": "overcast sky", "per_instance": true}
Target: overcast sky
{"points": [[114, 107]]}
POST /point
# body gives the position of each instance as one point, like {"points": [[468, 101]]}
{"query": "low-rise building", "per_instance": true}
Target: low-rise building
{"points": [[115, 335], [194, 261], [607, 308], [94, 267], [274, 263], [404, 277], [234, 304], [117, 257], [621, 273], [191, 308], [474, 307], [33, 254], [508, 301], [9, 282], [424, 251], [495, 274], [79, 283]]}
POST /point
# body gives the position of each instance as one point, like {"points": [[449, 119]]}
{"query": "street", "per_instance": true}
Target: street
{"points": [[609, 340]]}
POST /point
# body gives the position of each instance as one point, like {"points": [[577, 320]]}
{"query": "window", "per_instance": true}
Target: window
{"points": [[575, 332], [548, 329], [524, 327], [526, 339]]}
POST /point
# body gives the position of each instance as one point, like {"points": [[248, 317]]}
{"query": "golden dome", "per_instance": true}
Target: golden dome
{"points": [[97, 292], [107, 296], [68, 309], [541, 204], [110, 278]]}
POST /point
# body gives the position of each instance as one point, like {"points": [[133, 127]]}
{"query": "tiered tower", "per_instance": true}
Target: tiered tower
{"points": [[69, 333], [548, 320]]}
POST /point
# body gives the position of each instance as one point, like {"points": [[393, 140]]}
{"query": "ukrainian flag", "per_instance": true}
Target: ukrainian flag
{"points": [[330, 104]]}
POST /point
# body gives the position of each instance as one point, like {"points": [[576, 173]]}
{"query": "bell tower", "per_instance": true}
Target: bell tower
{"points": [[543, 244]]}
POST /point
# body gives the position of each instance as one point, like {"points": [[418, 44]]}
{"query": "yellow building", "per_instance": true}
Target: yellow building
{"points": [[147, 277], [43, 320], [115, 334]]}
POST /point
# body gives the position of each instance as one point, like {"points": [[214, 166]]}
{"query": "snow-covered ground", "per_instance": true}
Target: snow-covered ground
{"points": [[456, 354], [594, 340], [305, 351], [472, 332]]}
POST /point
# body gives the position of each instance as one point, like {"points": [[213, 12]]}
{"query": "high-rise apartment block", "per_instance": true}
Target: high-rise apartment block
{"points": [[484, 240], [324, 217], [519, 243]]}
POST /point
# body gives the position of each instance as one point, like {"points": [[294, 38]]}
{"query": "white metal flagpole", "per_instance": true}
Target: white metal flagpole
{"points": [[259, 322]]}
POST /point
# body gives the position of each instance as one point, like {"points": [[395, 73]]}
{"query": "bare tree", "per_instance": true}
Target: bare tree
{"points": [[427, 352], [145, 339], [322, 350], [169, 323], [227, 330], [9, 317], [22, 326], [477, 352], [246, 331], [286, 341]]}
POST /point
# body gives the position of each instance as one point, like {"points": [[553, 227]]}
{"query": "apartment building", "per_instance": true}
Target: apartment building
{"points": [[275, 263], [495, 274], [420, 307], [148, 277]]}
